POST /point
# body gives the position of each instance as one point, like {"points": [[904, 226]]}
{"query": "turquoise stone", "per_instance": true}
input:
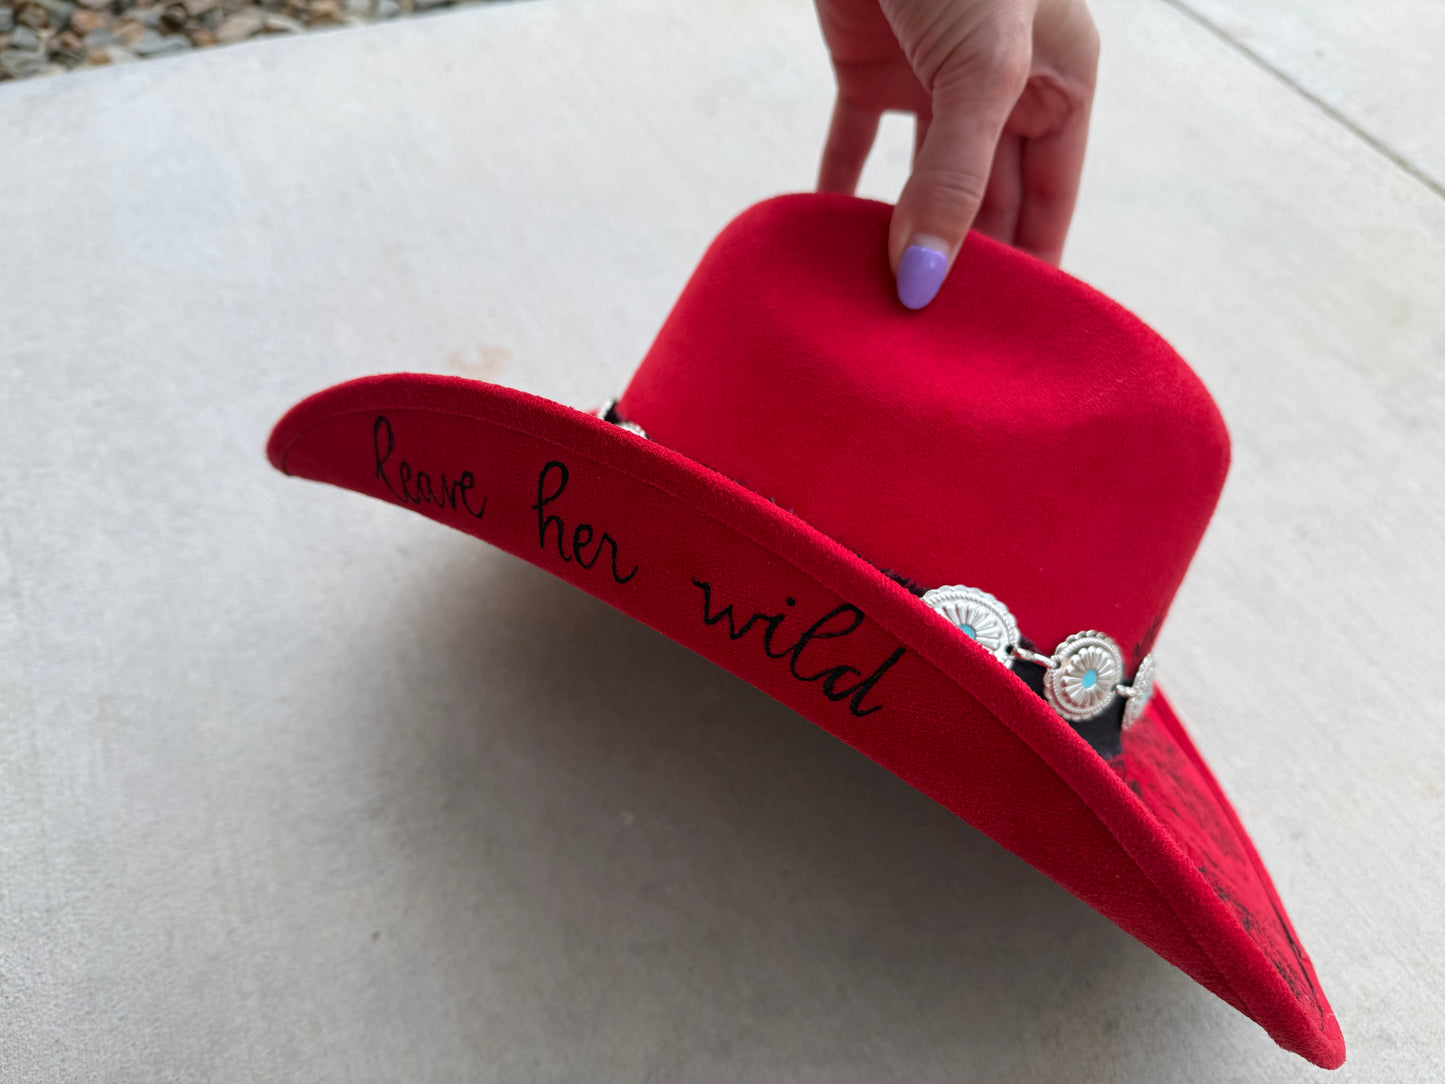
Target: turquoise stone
{"points": [[1090, 679], [969, 631]]}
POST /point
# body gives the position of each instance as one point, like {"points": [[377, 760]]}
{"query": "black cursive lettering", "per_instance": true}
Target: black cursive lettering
{"points": [[582, 534], [544, 499], [827, 627], [416, 485]]}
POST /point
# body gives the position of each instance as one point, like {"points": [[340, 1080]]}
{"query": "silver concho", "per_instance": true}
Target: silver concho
{"points": [[978, 615], [1087, 668], [1139, 691]]}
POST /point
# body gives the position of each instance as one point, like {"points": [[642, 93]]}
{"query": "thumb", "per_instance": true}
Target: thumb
{"points": [[971, 100]]}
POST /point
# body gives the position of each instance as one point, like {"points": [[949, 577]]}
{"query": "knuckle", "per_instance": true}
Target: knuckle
{"points": [[948, 194], [996, 68], [1006, 61], [946, 41]]}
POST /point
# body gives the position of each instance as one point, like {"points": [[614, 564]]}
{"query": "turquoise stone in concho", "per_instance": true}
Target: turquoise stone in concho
{"points": [[1088, 667], [978, 615]]}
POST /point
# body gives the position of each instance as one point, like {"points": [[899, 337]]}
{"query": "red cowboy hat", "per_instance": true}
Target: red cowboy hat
{"points": [[948, 537]]}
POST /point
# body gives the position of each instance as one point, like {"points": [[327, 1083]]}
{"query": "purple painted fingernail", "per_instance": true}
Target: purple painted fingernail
{"points": [[921, 271]]}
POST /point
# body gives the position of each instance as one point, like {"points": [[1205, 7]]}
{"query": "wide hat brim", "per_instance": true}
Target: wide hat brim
{"points": [[1149, 841]]}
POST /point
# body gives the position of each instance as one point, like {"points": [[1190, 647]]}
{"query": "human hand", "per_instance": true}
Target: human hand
{"points": [[1001, 90]]}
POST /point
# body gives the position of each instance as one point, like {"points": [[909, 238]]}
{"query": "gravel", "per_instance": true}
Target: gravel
{"points": [[43, 37]]}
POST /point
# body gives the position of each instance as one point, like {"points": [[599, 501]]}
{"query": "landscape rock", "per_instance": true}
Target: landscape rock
{"points": [[15, 64], [85, 20], [240, 26], [58, 11], [322, 13], [33, 16], [42, 36], [153, 45]]}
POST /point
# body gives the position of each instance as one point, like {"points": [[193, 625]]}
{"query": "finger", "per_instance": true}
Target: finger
{"points": [[998, 214], [920, 133], [1053, 157], [850, 138], [950, 175], [1051, 167]]}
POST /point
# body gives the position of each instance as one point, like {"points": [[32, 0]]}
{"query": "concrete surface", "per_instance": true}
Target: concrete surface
{"points": [[1375, 65], [294, 786]]}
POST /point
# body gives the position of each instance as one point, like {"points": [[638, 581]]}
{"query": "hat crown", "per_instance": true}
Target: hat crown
{"points": [[1023, 434]]}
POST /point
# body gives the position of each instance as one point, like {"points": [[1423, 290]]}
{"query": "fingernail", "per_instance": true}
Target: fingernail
{"points": [[921, 271]]}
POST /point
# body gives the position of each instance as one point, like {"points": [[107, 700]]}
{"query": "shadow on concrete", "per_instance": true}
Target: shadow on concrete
{"points": [[641, 858]]}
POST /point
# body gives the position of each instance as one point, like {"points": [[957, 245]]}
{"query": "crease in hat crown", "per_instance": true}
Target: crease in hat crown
{"points": [[1024, 434]]}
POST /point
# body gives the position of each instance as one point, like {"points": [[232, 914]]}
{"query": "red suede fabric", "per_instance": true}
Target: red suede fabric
{"points": [[1070, 469]]}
